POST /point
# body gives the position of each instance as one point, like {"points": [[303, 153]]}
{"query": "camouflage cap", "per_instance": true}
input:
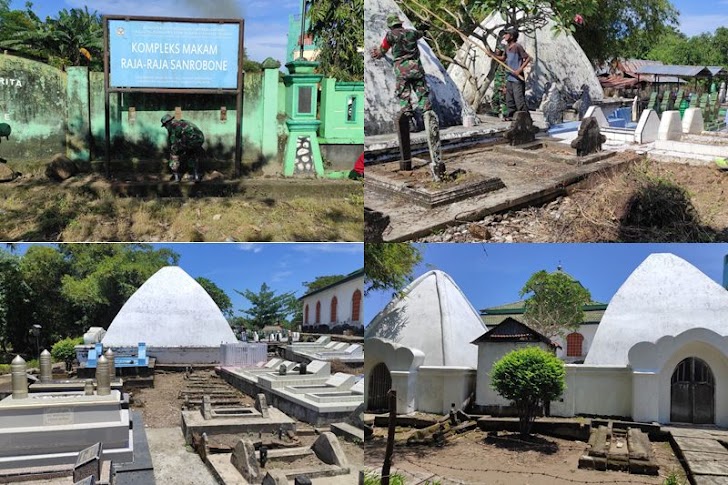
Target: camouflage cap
{"points": [[392, 20], [166, 119]]}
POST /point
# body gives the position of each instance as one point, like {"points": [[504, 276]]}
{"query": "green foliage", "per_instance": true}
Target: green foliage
{"points": [[673, 479], [674, 47], [69, 288], [624, 29], [322, 282], [556, 303], [389, 266], [218, 295], [267, 308], [374, 479], [64, 350], [338, 30], [58, 40], [529, 377]]}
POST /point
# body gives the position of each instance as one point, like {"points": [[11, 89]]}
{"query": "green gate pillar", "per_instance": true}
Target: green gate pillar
{"points": [[303, 154]]}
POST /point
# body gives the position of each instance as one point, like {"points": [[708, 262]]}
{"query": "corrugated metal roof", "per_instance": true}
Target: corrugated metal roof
{"points": [[674, 70], [717, 70], [512, 330]]}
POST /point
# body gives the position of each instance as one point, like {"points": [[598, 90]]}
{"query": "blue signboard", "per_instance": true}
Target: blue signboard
{"points": [[154, 54]]}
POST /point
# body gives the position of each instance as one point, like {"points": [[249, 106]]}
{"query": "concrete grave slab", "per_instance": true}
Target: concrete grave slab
{"points": [[692, 122], [670, 126], [244, 460]]}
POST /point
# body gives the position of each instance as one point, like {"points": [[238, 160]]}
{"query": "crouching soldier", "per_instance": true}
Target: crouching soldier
{"points": [[185, 146]]}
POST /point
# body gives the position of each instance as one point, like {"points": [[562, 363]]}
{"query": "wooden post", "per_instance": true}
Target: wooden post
{"points": [[390, 436]]}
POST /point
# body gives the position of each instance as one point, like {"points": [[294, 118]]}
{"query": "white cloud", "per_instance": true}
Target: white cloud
{"points": [[345, 248], [252, 247], [281, 276]]}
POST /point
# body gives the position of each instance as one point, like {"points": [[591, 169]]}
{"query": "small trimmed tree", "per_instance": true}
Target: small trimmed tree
{"points": [[65, 351], [530, 377]]}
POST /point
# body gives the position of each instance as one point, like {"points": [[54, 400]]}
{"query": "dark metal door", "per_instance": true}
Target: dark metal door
{"points": [[380, 382], [692, 393]]}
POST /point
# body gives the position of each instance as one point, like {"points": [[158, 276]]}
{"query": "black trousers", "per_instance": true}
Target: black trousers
{"points": [[515, 97]]}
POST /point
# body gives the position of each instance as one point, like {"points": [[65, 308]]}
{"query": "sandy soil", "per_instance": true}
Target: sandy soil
{"points": [[474, 458]]}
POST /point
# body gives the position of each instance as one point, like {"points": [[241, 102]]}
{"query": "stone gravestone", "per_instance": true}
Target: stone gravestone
{"points": [[88, 463], [243, 459], [583, 103], [432, 126], [302, 480], [375, 223], [261, 404], [86, 481], [206, 407], [553, 106], [405, 148], [590, 138], [521, 130], [275, 477]]}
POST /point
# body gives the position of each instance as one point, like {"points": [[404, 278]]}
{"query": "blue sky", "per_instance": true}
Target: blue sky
{"points": [[266, 22], [284, 267], [493, 274], [697, 17]]}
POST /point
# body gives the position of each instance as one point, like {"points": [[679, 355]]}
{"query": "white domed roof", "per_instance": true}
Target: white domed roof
{"points": [[664, 296], [435, 317], [170, 309]]}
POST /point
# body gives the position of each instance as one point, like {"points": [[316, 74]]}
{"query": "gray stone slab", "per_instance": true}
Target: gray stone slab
{"points": [[709, 480], [704, 445], [347, 431], [409, 220], [329, 450], [706, 463]]}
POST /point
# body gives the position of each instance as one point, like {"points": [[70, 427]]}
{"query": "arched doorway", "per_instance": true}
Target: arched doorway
{"points": [[692, 393], [380, 382]]}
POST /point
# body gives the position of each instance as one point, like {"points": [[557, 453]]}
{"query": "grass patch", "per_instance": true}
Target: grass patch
{"points": [[35, 209]]}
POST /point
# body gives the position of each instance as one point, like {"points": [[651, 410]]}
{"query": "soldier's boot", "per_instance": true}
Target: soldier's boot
{"points": [[196, 172]]}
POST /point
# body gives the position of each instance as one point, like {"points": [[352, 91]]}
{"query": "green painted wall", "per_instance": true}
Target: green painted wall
{"points": [[342, 112], [33, 103]]}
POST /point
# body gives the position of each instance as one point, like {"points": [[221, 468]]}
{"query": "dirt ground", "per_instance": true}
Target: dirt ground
{"points": [[84, 208], [474, 457], [648, 201]]}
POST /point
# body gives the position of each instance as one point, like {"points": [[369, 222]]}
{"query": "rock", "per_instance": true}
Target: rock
{"points": [[6, 173], [216, 217], [61, 168], [215, 175], [479, 232], [375, 223]]}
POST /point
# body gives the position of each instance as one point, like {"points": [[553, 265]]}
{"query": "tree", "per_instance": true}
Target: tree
{"points": [[267, 308], [322, 282], [449, 20], [529, 377], [389, 266], [218, 295], [556, 304], [62, 40], [65, 350], [624, 29], [338, 29], [15, 305], [102, 277]]}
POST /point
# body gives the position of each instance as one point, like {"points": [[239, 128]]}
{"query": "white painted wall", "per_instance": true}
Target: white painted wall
{"points": [[344, 293], [588, 332], [403, 364], [439, 387], [488, 354], [595, 390]]}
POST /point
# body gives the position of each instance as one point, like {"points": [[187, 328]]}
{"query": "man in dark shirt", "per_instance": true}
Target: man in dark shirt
{"points": [[516, 59], [407, 65]]}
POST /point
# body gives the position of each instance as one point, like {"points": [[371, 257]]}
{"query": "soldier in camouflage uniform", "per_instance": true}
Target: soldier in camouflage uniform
{"points": [[185, 143], [407, 65]]}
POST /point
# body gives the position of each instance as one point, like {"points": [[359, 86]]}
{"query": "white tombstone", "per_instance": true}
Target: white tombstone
{"points": [[670, 126], [255, 337], [635, 108], [647, 127], [722, 92], [597, 113], [692, 122]]}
